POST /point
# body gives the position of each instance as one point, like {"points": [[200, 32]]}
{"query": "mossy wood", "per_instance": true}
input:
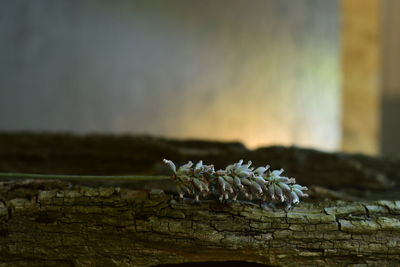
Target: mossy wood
{"points": [[50, 223]]}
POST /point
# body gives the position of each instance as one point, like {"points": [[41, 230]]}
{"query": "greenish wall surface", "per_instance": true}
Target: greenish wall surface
{"points": [[390, 102]]}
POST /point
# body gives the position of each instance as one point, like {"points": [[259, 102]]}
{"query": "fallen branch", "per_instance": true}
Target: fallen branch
{"points": [[50, 222]]}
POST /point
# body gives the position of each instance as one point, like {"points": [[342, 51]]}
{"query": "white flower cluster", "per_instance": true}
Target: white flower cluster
{"points": [[237, 180]]}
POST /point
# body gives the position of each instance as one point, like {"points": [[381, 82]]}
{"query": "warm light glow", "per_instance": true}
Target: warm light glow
{"points": [[260, 72]]}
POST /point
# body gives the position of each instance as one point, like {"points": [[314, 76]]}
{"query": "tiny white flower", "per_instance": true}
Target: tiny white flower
{"points": [[170, 164]]}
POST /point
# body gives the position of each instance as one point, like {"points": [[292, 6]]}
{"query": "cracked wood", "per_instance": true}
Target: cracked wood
{"points": [[49, 223]]}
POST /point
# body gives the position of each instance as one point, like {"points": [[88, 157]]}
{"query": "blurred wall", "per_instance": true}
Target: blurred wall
{"points": [[261, 71], [361, 69], [390, 141]]}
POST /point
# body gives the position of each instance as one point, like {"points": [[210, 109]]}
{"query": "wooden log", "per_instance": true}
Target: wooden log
{"points": [[141, 155], [51, 223]]}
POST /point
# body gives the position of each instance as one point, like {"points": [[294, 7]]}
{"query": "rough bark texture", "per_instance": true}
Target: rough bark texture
{"points": [[105, 154], [54, 224]]}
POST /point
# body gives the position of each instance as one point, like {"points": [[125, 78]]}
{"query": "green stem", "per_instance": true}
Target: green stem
{"points": [[80, 177]]}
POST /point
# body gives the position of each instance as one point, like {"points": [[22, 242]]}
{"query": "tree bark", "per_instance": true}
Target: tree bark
{"points": [[142, 155], [51, 223]]}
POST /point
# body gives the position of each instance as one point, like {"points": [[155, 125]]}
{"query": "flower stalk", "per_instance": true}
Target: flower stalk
{"points": [[237, 180], [80, 177]]}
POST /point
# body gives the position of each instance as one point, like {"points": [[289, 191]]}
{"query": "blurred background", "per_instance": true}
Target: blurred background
{"points": [[312, 73]]}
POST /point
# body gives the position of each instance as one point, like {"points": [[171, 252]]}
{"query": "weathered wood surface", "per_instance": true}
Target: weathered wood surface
{"points": [[53, 224], [120, 155]]}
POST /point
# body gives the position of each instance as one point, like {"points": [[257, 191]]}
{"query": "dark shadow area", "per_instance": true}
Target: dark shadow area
{"points": [[214, 263], [390, 126]]}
